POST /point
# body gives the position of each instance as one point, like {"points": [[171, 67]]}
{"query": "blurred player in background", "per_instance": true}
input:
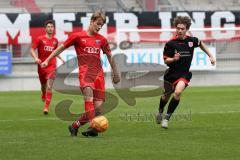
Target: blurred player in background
{"points": [[178, 54], [45, 44], [88, 45]]}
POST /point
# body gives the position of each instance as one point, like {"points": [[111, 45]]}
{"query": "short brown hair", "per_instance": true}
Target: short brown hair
{"points": [[182, 20], [49, 22], [98, 14]]}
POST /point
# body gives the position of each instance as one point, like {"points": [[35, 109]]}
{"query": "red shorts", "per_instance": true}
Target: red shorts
{"points": [[46, 74], [96, 83]]}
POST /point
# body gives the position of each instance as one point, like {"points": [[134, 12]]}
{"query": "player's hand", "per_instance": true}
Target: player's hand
{"points": [[38, 61], [176, 56], [116, 78], [44, 64], [212, 60]]}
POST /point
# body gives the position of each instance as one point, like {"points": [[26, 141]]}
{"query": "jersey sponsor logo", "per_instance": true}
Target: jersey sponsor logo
{"points": [[190, 44], [91, 50], [185, 53], [48, 48]]}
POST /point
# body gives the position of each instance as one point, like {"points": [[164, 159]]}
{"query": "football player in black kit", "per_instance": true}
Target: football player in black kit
{"points": [[178, 54]]}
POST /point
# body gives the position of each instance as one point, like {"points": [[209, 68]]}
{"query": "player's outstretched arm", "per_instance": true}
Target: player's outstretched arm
{"points": [[56, 52], [206, 50], [34, 55], [116, 74]]}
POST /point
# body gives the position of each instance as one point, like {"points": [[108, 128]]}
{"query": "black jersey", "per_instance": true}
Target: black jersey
{"points": [[185, 48]]}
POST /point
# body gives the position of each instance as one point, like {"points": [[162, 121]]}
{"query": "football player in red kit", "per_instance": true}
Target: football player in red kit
{"points": [[45, 45], [88, 45]]}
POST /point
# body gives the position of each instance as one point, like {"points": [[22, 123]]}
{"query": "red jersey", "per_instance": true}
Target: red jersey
{"points": [[45, 47], [88, 52]]}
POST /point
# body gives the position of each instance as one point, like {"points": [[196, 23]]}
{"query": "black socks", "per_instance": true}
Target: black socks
{"points": [[171, 107]]}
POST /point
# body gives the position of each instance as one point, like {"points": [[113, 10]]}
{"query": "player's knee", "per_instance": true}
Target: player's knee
{"points": [[88, 98], [88, 94], [49, 88], [166, 97], [177, 94]]}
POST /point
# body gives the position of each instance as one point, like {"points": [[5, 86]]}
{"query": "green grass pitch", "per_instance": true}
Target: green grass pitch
{"points": [[206, 126]]}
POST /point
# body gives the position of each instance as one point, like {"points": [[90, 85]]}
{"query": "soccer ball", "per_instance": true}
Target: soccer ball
{"points": [[100, 123]]}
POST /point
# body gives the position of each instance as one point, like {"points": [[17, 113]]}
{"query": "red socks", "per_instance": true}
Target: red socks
{"points": [[87, 116], [48, 99], [43, 96], [89, 110]]}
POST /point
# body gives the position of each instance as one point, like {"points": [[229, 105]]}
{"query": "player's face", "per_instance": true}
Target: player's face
{"points": [[49, 28], [96, 25], [181, 31]]}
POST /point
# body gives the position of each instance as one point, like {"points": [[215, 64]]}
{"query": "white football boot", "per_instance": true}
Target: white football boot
{"points": [[165, 123]]}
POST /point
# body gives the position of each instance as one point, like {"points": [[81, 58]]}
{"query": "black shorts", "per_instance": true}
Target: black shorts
{"points": [[171, 78]]}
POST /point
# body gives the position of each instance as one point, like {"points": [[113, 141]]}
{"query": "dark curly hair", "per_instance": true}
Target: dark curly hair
{"points": [[182, 20]]}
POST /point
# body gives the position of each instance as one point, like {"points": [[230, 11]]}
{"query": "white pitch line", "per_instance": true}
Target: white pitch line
{"points": [[221, 112], [28, 119]]}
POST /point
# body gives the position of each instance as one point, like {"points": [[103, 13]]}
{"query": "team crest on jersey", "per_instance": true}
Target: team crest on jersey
{"points": [[44, 42], [190, 44], [98, 42], [83, 40], [54, 43]]}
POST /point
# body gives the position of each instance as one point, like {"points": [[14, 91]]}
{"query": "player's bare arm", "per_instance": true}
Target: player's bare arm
{"points": [[206, 50], [56, 52], [34, 55], [116, 74], [175, 58]]}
